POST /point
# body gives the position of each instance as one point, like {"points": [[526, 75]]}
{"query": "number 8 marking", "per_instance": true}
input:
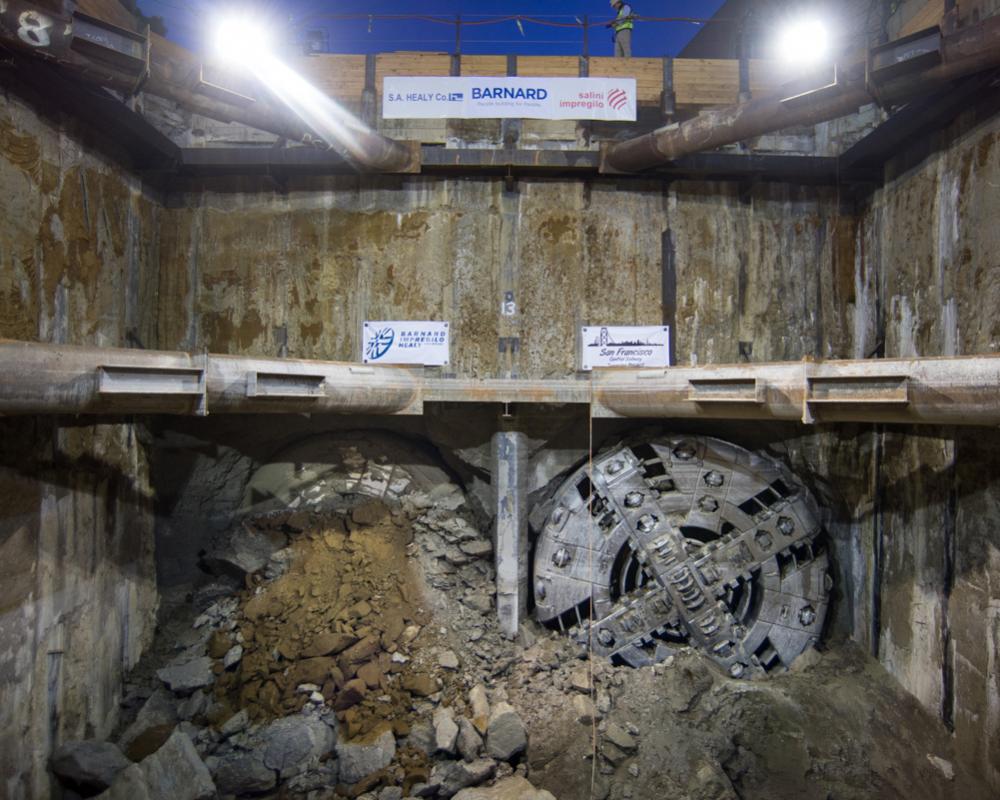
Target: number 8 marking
{"points": [[34, 29]]}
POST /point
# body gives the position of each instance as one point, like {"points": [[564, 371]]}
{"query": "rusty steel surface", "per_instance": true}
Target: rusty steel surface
{"points": [[55, 379], [965, 52]]}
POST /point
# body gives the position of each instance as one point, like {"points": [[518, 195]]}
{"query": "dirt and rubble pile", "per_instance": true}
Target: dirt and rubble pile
{"points": [[354, 653]]}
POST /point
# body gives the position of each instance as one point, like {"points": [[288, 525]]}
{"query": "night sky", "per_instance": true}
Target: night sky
{"points": [[188, 20]]}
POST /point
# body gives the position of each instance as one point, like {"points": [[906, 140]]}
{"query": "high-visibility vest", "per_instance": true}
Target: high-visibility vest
{"points": [[624, 21]]}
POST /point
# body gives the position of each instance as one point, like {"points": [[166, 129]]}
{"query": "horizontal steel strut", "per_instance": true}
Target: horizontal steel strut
{"points": [[38, 378]]}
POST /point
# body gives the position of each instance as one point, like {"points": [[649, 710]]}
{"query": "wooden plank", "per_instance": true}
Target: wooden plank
{"points": [[485, 66], [697, 82], [548, 66], [706, 81], [648, 74], [926, 17], [340, 76], [417, 65]]}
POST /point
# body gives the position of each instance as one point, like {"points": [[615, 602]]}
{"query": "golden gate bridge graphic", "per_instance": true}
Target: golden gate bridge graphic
{"points": [[603, 339]]}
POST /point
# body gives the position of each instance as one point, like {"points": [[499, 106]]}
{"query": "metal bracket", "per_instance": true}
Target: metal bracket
{"points": [[888, 62], [281, 385], [102, 41], [727, 390], [154, 382], [819, 93], [854, 390], [210, 83]]}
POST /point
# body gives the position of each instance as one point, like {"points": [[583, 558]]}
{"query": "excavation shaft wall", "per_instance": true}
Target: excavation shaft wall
{"points": [[78, 264], [248, 267]]}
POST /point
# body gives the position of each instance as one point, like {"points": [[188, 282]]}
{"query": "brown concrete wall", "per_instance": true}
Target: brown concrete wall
{"points": [[78, 260], [242, 268], [938, 262]]}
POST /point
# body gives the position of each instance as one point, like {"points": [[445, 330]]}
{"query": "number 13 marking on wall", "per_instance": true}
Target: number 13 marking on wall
{"points": [[34, 29]]}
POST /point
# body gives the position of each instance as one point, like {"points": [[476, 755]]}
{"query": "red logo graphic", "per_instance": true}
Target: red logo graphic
{"points": [[617, 99]]}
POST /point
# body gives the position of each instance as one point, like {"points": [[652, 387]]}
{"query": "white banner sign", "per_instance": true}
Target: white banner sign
{"points": [[625, 346], [408, 342], [611, 99]]}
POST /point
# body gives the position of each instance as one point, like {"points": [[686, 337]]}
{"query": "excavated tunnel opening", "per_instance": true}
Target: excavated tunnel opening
{"points": [[243, 556], [328, 618]]}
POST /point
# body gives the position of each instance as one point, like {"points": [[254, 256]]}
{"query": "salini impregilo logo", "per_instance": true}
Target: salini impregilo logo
{"points": [[617, 99]]}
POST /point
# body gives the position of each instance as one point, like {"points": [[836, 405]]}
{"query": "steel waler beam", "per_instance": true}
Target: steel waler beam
{"points": [[965, 52], [105, 54], [57, 379], [940, 391], [61, 379]]}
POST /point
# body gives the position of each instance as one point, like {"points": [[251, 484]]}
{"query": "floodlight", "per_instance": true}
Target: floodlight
{"points": [[240, 41], [804, 41]]}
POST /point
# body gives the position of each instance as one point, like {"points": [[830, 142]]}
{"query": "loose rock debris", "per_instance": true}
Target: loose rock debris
{"points": [[360, 659]]}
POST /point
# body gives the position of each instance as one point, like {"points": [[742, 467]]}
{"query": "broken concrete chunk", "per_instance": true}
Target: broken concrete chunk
{"points": [[155, 720], [619, 737], [421, 684], [505, 735], [579, 679], [90, 765], [174, 772], [469, 741], [290, 743], [129, 785], [183, 677], [476, 548], [193, 706], [480, 708], [328, 644], [361, 758], [243, 773], [243, 551], [422, 738], [453, 776], [233, 657], [448, 660], [235, 724], [445, 731], [513, 788]]}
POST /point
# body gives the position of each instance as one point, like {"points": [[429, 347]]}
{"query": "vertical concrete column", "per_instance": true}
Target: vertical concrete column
{"points": [[511, 546]]}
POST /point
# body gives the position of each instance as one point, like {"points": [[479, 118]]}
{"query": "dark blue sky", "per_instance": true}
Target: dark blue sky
{"points": [[188, 20]]}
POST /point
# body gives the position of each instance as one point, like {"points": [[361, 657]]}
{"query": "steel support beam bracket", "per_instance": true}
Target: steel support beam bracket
{"points": [[510, 450], [152, 382]]}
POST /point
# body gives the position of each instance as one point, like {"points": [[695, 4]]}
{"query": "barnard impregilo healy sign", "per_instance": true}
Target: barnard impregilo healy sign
{"points": [[611, 99], [610, 346], [405, 342]]}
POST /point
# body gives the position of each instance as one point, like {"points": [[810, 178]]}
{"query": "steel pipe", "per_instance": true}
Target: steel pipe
{"points": [[963, 53], [172, 72], [62, 379], [59, 379], [940, 391]]}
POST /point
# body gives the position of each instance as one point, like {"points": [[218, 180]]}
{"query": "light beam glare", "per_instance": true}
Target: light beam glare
{"points": [[328, 119], [804, 42]]}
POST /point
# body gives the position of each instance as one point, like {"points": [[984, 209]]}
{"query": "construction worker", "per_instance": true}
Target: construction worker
{"points": [[622, 26]]}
